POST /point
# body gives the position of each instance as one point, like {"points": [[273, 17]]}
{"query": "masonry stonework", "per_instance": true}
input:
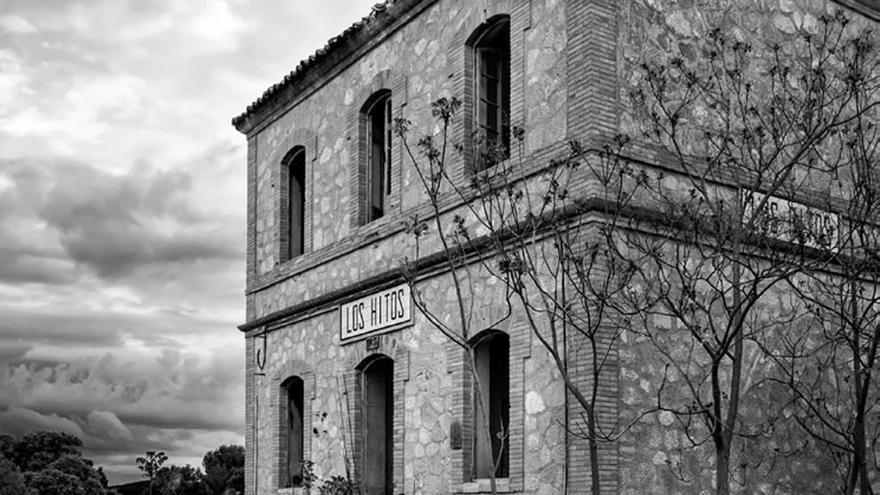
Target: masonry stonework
{"points": [[573, 63]]}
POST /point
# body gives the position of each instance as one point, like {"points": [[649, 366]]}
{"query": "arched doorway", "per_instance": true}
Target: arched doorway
{"points": [[377, 387]]}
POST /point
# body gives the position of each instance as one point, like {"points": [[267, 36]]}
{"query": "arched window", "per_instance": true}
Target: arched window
{"points": [[491, 51], [491, 445], [377, 410], [377, 113], [293, 426], [294, 201]]}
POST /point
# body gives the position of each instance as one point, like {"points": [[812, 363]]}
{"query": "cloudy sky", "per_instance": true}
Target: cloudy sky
{"points": [[122, 199]]}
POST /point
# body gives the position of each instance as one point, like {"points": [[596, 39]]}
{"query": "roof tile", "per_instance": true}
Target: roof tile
{"points": [[314, 59]]}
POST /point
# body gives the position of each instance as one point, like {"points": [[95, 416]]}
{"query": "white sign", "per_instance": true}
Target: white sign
{"points": [[793, 222], [388, 308]]}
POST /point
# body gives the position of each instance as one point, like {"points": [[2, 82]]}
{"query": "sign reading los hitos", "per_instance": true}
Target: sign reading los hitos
{"points": [[378, 311], [793, 222]]}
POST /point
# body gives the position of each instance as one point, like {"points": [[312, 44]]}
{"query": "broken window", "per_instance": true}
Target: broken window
{"points": [[377, 387], [491, 451]]}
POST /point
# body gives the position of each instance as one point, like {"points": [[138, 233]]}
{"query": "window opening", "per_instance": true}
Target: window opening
{"points": [[493, 371], [378, 156], [492, 92], [295, 162], [378, 414], [294, 427]]}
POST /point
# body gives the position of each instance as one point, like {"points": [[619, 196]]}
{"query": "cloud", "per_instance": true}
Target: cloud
{"points": [[16, 24], [13, 350], [83, 113], [173, 389], [18, 421], [12, 77], [122, 405], [114, 446], [116, 223], [112, 223], [122, 212], [108, 424], [65, 325], [217, 24], [19, 267]]}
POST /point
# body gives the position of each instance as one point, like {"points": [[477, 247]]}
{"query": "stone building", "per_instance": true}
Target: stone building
{"points": [[342, 371]]}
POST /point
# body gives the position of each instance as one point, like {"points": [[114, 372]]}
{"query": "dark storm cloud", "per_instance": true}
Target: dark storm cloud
{"points": [[168, 384], [12, 350], [41, 325], [115, 224], [22, 267], [111, 395], [25, 257], [111, 223]]}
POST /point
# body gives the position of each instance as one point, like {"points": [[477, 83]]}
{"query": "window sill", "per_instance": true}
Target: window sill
{"points": [[298, 490], [495, 167], [389, 216], [502, 485]]}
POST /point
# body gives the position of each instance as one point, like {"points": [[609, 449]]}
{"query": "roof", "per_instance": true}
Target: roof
{"points": [[331, 54]]}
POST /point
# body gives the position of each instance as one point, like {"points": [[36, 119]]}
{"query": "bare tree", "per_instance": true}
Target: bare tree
{"points": [[531, 227], [827, 357], [684, 248], [430, 157], [740, 129]]}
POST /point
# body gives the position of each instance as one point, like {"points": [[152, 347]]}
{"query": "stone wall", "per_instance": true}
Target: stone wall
{"points": [[656, 456], [651, 30], [424, 61]]}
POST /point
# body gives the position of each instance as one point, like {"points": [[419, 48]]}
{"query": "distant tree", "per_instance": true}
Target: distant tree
{"points": [[176, 480], [11, 479], [224, 470], [35, 451], [151, 464], [53, 482], [47, 462], [7, 446], [81, 469], [103, 477]]}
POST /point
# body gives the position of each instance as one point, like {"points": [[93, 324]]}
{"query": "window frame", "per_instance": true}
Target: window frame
{"points": [[377, 110], [294, 388], [462, 452], [293, 223], [487, 354], [279, 405], [489, 38]]}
